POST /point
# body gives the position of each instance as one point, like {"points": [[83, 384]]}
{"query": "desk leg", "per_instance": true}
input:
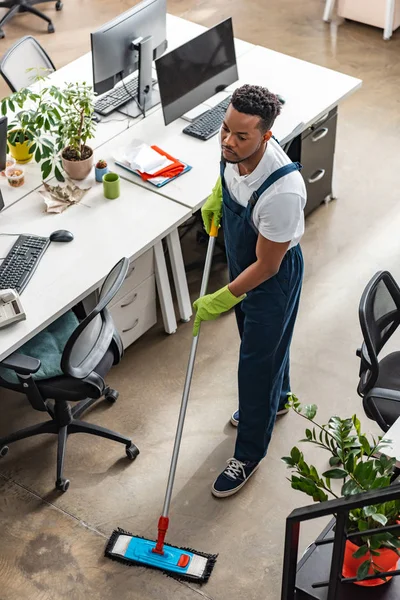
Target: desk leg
{"points": [[329, 4], [164, 289], [389, 16], [178, 270]]}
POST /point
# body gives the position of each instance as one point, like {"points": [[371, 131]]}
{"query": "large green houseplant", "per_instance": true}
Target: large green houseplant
{"points": [[36, 113], [357, 464], [76, 129]]}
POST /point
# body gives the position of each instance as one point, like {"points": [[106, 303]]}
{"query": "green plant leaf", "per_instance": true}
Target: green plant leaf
{"points": [[288, 460], [335, 474], [334, 461], [46, 169], [295, 454], [308, 434], [379, 518], [369, 511], [375, 553], [21, 137], [362, 525], [362, 551], [310, 410], [350, 488], [11, 105], [58, 174], [38, 155], [363, 569], [3, 108], [365, 444]]}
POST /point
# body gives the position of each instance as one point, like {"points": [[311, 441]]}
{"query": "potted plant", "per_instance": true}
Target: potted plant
{"points": [[101, 169], [30, 129], [359, 465], [75, 129]]}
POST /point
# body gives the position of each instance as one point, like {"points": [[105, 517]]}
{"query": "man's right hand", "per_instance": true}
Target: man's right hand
{"points": [[212, 208]]}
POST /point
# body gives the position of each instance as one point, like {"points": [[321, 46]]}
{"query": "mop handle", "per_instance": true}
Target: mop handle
{"points": [[189, 374]]}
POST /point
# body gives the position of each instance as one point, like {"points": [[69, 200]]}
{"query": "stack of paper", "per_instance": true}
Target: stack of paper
{"points": [[151, 163]]}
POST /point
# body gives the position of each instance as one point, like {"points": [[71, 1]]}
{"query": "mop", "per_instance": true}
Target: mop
{"points": [[180, 563]]}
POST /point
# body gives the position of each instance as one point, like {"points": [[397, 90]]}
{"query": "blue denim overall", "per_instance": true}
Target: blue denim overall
{"points": [[265, 320]]}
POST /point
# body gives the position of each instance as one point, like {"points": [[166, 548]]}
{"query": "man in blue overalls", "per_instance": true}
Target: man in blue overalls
{"points": [[261, 197]]}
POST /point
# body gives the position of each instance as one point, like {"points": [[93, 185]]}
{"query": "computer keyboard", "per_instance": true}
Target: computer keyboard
{"points": [[210, 122], [117, 97], [20, 263]]}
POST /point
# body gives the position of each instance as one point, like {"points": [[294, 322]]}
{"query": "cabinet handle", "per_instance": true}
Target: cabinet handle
{"points": [[318, 135], [317, 176], [130, 302], [320, 121], [130, 328], [131, 271]]}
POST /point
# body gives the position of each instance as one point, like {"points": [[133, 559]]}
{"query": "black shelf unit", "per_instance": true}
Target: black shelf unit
{"points": [[318, 575]]}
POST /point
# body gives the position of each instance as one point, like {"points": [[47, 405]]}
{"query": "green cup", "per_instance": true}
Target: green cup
{"points": [[111, 186]]}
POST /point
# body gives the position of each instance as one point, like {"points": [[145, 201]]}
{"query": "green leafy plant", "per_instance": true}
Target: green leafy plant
{"points": [[357, 463], [37, 112], [77, 126]]}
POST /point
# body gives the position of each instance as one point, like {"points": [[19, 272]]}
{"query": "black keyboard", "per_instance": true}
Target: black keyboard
{"points": [[21, 262], [117, 97], [209, 123]]}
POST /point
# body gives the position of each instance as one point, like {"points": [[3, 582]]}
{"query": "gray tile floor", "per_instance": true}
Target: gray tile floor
{"points": [[52, 545]]}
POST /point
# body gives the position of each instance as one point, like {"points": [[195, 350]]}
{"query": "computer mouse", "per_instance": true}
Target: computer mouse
{"points": [[61, 235], [96, 118]]}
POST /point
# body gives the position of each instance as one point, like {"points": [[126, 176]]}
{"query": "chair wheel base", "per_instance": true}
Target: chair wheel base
{"points": [[59, 5], [132, 452], [112, 395], [50, 28], [3, 451], [62, 484]]}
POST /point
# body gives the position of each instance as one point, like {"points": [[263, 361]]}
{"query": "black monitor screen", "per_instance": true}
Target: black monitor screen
{"points": [[197, 70]]}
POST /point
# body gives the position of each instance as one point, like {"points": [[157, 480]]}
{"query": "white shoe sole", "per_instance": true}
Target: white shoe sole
{"points": [[280, 413], [218, 494]]}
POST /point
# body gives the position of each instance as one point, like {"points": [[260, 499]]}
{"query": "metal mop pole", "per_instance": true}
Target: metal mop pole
{"points": [[164, 520]]}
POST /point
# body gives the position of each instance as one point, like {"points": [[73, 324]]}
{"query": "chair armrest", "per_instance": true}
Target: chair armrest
{"points": [[24, 365]]}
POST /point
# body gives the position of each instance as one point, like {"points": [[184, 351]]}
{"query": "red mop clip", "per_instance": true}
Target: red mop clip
{"points": [[163, 523]]}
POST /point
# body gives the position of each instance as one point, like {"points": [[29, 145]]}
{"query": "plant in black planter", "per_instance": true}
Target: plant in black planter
{"points": [[359, 464], [76, 129]]}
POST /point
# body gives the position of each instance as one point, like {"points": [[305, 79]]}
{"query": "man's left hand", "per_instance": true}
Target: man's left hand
{"points": [[210, 307]]}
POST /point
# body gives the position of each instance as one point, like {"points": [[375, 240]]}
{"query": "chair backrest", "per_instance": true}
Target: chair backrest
{"points": [[379, 314], [92, 338], [26, 53]]}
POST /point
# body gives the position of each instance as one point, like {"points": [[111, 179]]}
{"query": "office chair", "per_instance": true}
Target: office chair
{"points": [[379, 384], [89, 353], [18, 6], [26, 53]]}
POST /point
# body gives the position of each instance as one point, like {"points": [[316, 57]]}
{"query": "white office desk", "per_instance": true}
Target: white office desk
{"points": [[179, 31], [310, 91], [104, 231]]}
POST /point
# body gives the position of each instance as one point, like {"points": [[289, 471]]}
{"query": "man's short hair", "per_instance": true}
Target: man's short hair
{"points": [[259, 101]]}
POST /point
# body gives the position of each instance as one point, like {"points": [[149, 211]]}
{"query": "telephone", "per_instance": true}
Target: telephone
{"points": [[11, 309]]}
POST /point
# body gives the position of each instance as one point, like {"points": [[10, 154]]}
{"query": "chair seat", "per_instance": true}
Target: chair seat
{"points": [[389, 372], [388, 379], [70, 389]]}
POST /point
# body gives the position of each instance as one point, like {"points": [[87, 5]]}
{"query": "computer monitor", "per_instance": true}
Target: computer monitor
{"points": [[128, 43], [197, 70]]}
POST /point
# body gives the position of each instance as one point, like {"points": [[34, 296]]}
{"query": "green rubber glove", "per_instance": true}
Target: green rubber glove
{"points": [[212, 208], [210, 307]]}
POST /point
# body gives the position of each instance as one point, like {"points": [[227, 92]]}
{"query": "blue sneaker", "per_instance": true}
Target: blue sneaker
{"points": [[235, 416], [236, 474]]}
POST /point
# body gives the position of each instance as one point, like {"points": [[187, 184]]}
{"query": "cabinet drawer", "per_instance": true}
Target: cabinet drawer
{"points": [[146, 319], [136, 311], [139, 270], [317, 154]]}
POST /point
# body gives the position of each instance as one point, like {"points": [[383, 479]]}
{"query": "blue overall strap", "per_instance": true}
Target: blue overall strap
{"points": [[281, 172]]}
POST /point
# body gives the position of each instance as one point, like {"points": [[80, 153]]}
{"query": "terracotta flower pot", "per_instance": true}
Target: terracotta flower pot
{"points": [[387, 561], [77, 169]]}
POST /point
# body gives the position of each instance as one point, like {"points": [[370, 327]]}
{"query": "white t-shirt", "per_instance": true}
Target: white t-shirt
{"points": [[279, 212]]}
